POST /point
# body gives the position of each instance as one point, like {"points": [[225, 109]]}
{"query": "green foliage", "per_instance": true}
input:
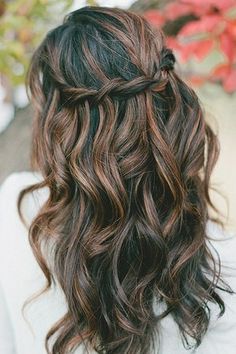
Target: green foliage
{"points": [[23, 23]]}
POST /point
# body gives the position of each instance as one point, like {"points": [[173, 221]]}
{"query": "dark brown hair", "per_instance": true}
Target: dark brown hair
{"points": [[124, 149]]}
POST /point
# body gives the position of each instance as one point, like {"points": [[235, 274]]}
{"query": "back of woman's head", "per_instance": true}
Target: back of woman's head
{"points": [[123, 146]]}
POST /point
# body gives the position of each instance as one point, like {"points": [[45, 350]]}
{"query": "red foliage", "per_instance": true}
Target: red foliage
{"points": [[229, 83], [155, 17], [227, 45], [205, 24], [227, 74], [219, 4], [214, 28], [199, 49]]}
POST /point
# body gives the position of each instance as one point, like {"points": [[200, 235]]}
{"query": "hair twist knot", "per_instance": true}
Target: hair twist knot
{"points": [[167, 59]]}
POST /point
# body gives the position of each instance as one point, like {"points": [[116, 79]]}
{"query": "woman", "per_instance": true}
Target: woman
{"points": [[117, 210]]}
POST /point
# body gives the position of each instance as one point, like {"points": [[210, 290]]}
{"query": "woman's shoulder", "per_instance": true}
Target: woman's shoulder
{"points": [[9, 192], [13, 233], [18, 180], [20, 275]]}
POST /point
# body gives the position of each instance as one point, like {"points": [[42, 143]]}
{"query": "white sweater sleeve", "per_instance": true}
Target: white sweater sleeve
{"points": [[7, 341], [7, 344], [20, 275]]}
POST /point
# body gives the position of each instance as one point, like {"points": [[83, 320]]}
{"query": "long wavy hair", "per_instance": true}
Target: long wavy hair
{"points": [[124, 149]]}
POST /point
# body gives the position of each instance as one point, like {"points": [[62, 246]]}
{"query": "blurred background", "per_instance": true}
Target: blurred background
{"points": [[202, 34]]}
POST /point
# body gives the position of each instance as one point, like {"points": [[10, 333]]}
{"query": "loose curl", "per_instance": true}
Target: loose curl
{"points": [[124, 149]]}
